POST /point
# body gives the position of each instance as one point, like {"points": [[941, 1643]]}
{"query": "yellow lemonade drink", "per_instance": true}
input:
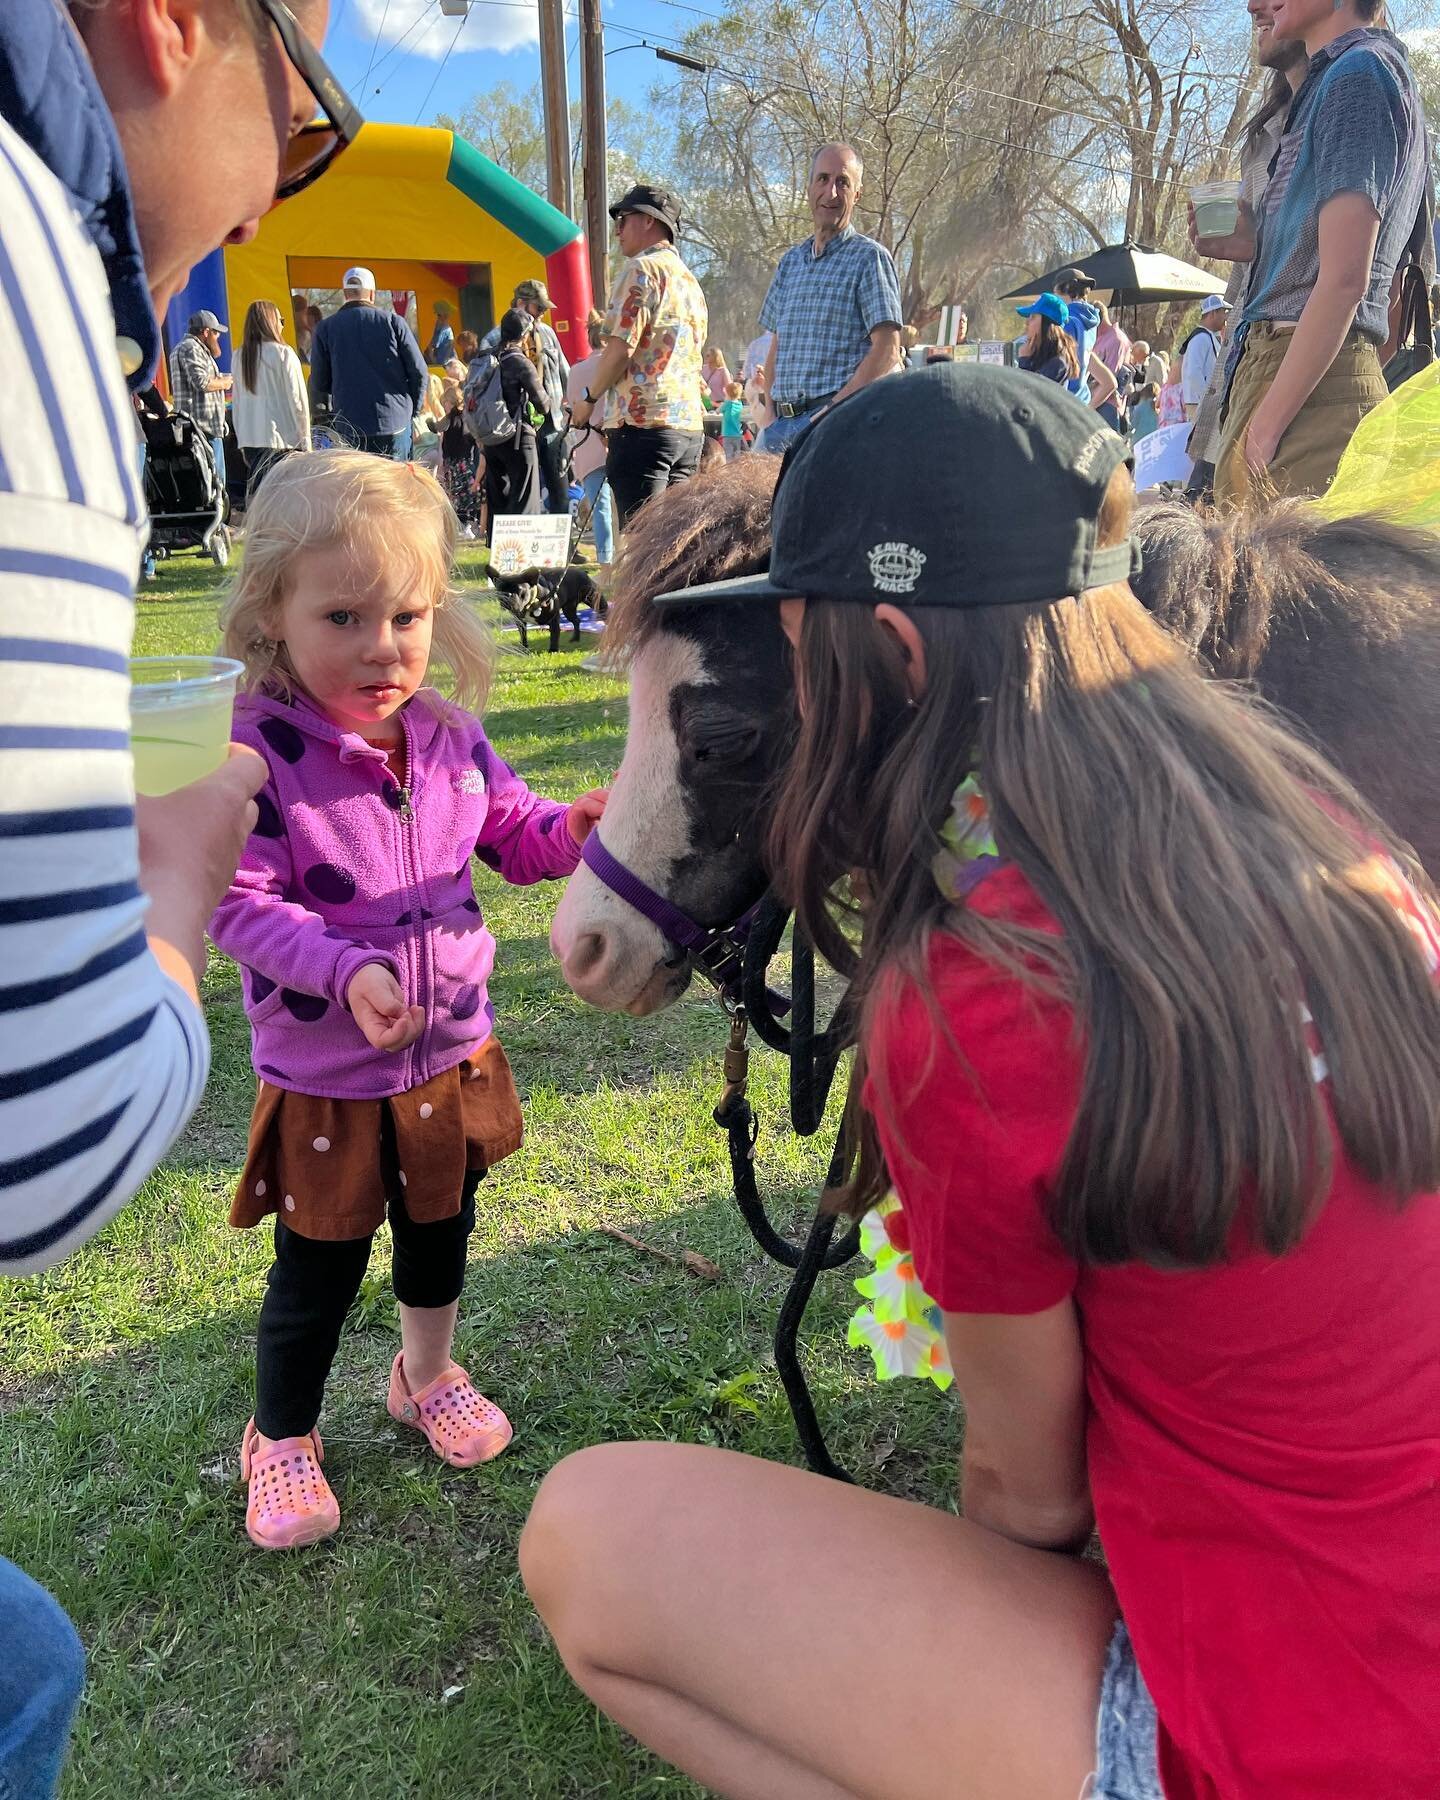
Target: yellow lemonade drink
{"points": [[180, 709]]}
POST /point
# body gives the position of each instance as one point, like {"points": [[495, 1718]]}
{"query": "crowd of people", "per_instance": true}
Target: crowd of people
{"points": [[1147, 1017]]}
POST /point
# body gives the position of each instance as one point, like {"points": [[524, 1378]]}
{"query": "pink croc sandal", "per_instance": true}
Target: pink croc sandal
{"points": [[464, 1428], [291, 1502]]}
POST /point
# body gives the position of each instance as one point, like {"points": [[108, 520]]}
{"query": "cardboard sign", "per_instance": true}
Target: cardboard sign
{"points": [[521, 541], [1161, 457], [992, 352]]}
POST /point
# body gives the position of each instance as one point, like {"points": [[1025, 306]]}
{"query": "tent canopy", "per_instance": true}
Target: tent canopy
{"points": [[1130, 274]]}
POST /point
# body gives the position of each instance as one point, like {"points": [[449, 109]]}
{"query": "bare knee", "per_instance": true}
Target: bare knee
{"points": [[582, 1517]]}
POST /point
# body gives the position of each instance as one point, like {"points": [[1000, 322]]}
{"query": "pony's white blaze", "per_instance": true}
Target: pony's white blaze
{"points": [[612, 957]]}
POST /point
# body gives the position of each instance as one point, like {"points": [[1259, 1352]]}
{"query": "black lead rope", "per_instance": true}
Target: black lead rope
{"points": [[813, 1060]]}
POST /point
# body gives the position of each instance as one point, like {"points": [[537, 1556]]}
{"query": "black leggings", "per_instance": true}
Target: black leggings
{"points": [[310, 1288]]}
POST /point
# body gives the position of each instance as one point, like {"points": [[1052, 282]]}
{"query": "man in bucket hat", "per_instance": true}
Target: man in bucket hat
{"points": [[655, 329]]}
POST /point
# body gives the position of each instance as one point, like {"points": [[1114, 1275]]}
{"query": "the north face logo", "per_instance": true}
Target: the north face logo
{"points": [[470, 781], [895, 568]]}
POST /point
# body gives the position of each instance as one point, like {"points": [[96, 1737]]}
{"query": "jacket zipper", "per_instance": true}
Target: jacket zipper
{"points": [[410, 861]]}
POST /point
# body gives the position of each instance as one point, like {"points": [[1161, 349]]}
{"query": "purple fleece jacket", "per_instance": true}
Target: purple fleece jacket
{"points": [[345, 867]]}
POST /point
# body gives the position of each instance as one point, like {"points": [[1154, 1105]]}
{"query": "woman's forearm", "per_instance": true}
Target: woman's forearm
{"points": [[1045, 1522]]}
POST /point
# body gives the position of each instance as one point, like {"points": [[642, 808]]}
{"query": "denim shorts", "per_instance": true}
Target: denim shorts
{"points": [[1127, 1764]]}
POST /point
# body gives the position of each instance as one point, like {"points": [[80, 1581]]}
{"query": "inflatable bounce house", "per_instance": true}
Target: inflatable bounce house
{"points": [[432, 217]]}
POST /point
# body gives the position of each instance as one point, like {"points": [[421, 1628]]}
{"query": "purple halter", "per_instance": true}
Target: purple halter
{"points": [[719, 951]]}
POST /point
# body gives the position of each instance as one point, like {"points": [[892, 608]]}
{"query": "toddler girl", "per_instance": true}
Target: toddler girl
{"points": [[363, 951]]}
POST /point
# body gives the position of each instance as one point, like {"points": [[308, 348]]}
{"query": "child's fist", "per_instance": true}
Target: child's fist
{"points": [[378, 1007], [584, 814]]}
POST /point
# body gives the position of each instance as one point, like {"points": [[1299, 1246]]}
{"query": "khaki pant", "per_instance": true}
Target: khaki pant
{"points": [[1316, 438]]}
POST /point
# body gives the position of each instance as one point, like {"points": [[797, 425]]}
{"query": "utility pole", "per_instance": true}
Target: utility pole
{"points": [[557, 106], [592, 140]]}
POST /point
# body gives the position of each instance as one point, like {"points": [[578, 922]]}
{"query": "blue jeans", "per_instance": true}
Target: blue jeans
{"points": [[1126, 1760], [217, 450], [42, 1671], [602, 523], [392, 444], [777, 435]]}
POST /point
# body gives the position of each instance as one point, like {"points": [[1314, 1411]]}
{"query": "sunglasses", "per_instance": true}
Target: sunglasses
{"points": [[315, 146]]}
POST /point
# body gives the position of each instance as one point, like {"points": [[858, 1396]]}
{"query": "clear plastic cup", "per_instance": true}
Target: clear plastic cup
{"points": [[1217, 208], [180, 709]]}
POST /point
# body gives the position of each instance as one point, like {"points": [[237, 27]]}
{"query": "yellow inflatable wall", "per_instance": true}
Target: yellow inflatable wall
{"points": [[415, 205]]}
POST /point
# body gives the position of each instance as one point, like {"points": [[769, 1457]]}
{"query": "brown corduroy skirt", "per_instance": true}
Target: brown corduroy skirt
{"points": [[326, 1167]]}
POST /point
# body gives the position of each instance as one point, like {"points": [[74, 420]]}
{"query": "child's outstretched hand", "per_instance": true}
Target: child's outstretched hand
{"points": [[378, 1007], [584, 814]]}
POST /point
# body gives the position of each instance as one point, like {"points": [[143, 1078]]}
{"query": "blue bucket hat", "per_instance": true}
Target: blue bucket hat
{"points": [[1049, 306]]}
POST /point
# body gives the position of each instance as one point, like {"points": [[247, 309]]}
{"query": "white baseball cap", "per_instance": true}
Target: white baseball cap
{"points": [[1212, 303], [365, 278]]}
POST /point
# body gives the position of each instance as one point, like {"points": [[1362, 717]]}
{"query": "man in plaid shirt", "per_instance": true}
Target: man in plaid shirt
{"points": [[196, 385], [833, 306]]}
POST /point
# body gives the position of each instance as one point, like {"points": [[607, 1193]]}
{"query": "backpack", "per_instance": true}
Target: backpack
{"points": [[487, 419]]}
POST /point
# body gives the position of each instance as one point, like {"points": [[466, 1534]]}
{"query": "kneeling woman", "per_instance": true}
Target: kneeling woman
{"points": [[1150, 1048]]}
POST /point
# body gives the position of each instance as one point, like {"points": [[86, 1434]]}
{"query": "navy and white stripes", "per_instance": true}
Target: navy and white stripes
{"points": [[102, 1057]]}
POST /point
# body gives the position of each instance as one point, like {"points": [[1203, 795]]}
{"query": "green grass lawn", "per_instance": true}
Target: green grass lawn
{"points": [[402, 1657]]}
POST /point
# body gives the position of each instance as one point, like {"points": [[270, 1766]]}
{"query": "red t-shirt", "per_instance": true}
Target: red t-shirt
{"points": [[1263, 1438]]}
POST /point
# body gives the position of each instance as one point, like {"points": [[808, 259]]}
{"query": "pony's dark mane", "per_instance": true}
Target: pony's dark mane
{"points": [[1227, 585], [711, 528]]}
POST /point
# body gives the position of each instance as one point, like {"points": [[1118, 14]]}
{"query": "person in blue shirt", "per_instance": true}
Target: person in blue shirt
{"points": [[366, 366], [1049, 347], [833, 307], [1345, 200], [442, 339]]}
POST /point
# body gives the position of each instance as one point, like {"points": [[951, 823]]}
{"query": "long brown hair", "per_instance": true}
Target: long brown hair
{"points": [[263, 325], [1053, 340], [1207, 874]]}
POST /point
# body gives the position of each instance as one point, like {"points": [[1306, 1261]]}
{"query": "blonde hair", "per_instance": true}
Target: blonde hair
{"points": [[332, 499]]}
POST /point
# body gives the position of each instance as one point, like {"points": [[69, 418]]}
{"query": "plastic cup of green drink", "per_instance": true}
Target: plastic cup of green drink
{"points": [[1217, 208], [180, 708]]}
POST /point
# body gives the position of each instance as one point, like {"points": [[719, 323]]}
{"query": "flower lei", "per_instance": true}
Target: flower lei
{"points": [[901, 1326]]}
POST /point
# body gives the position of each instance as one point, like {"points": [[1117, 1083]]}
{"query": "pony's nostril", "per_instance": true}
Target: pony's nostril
{"points": [[587, 953], [675, 957]]}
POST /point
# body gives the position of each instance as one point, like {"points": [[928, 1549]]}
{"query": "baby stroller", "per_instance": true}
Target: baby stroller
{"points": [[186, 502]]}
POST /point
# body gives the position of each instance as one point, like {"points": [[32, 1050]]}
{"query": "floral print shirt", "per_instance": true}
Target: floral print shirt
{"points": [[657, 308]]}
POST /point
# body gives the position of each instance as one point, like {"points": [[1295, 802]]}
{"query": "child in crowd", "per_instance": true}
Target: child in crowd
{"points": [[364, 955], [732, 420]]}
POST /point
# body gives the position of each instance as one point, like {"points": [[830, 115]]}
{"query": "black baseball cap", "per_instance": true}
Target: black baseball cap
{"points": [[659, 202], [960, 484], [1072, 278]]}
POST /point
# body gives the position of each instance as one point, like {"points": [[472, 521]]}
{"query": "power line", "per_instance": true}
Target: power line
{"points": [[376, 45], [420, 18], [432, 20], [441, 70]]}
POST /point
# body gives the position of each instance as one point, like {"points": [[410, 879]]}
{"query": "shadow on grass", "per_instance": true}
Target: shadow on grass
{"points": [[404, 1649]]}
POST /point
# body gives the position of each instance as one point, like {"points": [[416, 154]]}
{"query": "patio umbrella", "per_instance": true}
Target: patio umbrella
{"points": [[1131, 274]]}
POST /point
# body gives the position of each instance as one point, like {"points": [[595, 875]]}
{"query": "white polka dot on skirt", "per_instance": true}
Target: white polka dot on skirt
{"points": [[322, 1143], [426, 1110], [289, 1203]]}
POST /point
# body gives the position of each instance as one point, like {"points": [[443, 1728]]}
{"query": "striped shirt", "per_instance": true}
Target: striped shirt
{"points": [[102, 1056], [1357, 126]]}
